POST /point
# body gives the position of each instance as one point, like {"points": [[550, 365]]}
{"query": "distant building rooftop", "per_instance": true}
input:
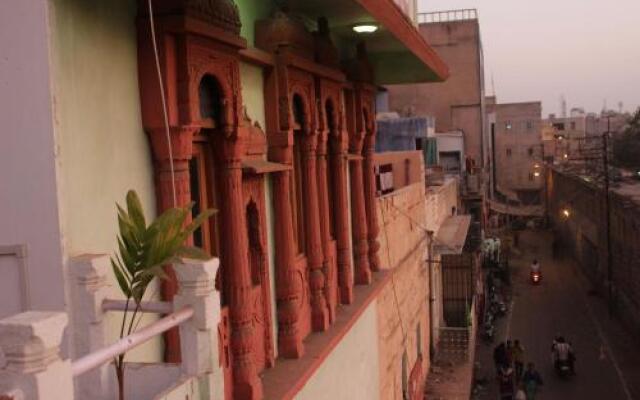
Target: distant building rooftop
{"points": [[465, 14]]}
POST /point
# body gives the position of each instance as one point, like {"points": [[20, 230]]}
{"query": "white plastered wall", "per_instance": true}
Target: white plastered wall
{"points": [[28, 194], [351, 371]]}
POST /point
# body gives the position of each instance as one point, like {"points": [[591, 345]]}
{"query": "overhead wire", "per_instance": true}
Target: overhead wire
{"points": [[164, 104]]}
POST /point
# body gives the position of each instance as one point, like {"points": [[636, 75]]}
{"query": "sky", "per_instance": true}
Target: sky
{"points": [[585, 50]]}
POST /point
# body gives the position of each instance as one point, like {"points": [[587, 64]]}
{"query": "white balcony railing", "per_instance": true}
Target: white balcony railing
{"points": [[30, 342]]}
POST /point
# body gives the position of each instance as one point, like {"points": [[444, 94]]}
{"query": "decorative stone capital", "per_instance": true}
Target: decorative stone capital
{"points": [[181, 142], [196, 284], [31, 341]]}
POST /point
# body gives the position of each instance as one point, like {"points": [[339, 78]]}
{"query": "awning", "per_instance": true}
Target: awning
{"points": [[256, 166], [452, 235], [397, 50]]}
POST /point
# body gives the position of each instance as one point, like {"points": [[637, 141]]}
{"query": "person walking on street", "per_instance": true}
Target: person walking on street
{"points": [[509, 353], [518, 359], [506, 383], [531, 380], [500, 357]]}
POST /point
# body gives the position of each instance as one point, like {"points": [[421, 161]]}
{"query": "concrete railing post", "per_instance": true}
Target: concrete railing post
{"points": [[88, 292], [199, 335], [30, 363]]}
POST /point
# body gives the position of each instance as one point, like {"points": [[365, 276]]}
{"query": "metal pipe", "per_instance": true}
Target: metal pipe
{"points": [[104, 355], [156, 307]]}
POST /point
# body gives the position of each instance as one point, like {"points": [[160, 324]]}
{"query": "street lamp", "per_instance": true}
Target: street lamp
{"points": [[566, 213]]}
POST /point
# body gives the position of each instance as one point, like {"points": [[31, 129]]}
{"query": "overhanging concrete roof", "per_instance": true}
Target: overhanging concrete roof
{"points": [[397, 51], [452, 235]]}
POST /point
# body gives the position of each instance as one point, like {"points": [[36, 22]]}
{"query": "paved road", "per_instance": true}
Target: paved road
{"points": [[608, 365]]}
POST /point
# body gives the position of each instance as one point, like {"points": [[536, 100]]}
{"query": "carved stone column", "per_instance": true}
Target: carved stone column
{"points": [[341, 208], [359, 217], [315, 256], [182, 151], [289, 290], [237, 276], [370, 197], [325, 220]]}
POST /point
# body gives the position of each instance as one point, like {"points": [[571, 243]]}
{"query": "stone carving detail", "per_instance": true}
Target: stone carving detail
{"points": [[326, 53]]}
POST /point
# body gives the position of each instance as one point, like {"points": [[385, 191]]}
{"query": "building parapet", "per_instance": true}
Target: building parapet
{"points": [[464, 14]]}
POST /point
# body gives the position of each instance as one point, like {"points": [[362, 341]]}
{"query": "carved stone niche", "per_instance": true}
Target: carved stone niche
{"points": [[360, 69], [283, 29], [256, 138], [326, 52], [221, 13]]}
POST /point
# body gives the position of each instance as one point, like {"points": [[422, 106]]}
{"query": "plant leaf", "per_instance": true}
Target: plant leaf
{"points": [[122, 281], [134, 207]]}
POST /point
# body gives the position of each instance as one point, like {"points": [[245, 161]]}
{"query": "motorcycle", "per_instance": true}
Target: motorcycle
{"points": [[536, 277], [563, 369], [489, 328]]}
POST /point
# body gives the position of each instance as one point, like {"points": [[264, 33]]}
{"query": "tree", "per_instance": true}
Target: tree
{"points": [[626, 147]]}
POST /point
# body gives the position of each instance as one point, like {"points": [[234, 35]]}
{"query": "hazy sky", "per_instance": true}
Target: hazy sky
{"points": [[586, 50]]}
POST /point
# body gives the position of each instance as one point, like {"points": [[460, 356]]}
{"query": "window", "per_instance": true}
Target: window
{"points": [[573, 126], [530, 151], [405, 376], [530, 176], [507, 125], [418, 340], [297, 184], [529, 125], [508, 152]]}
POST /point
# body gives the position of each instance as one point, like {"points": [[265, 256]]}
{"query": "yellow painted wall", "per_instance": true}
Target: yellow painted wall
{"points": [[102, 148]]}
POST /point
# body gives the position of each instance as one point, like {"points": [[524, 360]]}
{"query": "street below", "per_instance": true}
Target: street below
{"points": [[608, 358]]}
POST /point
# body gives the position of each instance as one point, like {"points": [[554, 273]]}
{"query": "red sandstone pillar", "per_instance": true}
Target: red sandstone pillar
{"points": [[341, 209], [315, 256], [289, 290], [181, 143], [325, 221], [237, 274], [359, 218], [370, 197]]}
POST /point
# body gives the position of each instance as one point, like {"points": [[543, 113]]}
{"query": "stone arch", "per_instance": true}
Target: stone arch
{"points": [[300, 111], [217, 92]]}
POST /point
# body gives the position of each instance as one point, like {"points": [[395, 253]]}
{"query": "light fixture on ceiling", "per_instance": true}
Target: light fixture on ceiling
{"points": [[365, 28]]}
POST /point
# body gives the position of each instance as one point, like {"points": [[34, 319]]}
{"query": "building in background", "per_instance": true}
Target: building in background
{"points": [[518, 152], [456, 104]]}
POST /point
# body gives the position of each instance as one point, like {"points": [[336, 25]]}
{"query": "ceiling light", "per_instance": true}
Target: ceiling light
{"points": [[365, 28]]}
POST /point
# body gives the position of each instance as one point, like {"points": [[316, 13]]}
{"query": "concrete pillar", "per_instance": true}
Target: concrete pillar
{"points": [[30, 363], [88, 292], [199, 335]]}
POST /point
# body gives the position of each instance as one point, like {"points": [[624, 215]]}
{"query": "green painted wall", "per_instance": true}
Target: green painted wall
{"points": [[102, 150], [252, 81], [250, 12]]}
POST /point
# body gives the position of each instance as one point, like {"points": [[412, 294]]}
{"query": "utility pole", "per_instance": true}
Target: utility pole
{"points": [[605, 140]]}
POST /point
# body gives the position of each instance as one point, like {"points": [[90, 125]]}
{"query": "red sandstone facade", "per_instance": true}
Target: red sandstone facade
{"points": [[319, 122]]}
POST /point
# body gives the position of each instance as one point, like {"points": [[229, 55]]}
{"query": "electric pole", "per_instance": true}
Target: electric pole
{"points": [[605, 140]]}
